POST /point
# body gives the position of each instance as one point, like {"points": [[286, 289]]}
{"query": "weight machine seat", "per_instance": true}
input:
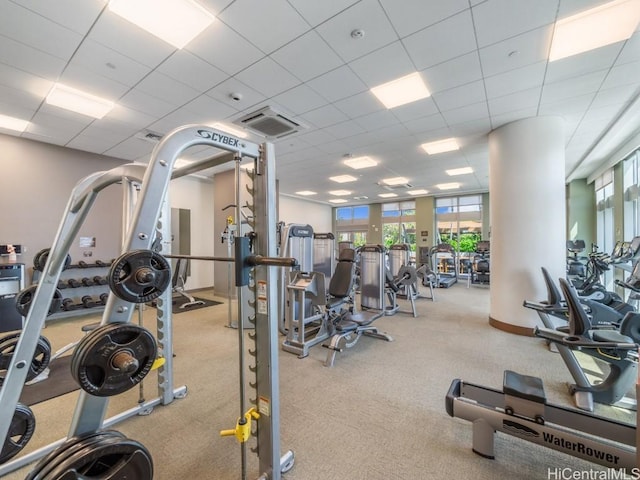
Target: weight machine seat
{"points": [[523, 386], [178, 282], [341, 283]]}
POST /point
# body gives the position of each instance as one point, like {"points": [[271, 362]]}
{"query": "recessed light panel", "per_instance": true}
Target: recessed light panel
{"points": [[401, 91], [338, 200], [305, 193], [360, 162], [594, 28], [78, 101], [230, 130], [420, 191], [12, 123], [448, 186], [395, 181], [343, 179], [339, 193], [387, 195], [459, 171], [441, 146], [177, 22]]}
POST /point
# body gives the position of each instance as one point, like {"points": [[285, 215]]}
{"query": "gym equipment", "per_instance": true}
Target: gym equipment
{"points": [[88, 301], [443, 261], [480, 264], [68, 305], [87, 282], [349, 325], [103, 298], [113, 358], [178, 281], [139, 276], [521, 410], [576, 265], [25, 297], [11, 282], [38, 363], [141, 234], [618, 351], [324, 255], [105, 454], [40, 260], [73, 283], [23, 424], [374, 294], [405, 274], [98, 280]]}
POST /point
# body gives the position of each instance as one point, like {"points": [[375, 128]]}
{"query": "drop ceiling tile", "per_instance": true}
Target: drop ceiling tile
{"points": [[19, 98], [587, 62], [90, 143], [88, 81], [165, 88], [223, 91], [108, 63], [573, 105], [394, 58], [252, 18], [180, 117], [409, 16], [459, 96], [625, 74], [215, 6], [267, 77], [516, 52], [452, 73], [186, 68], [453, 37], [317, 12], [515, 80], [324, 116], [20, 111], [360, 104], [307, 56], [49, 123], [49, 137], [18, 79], [469, 113], [337, 84], [334, 147], [127, 116], [36, 31], [420, 126], [366, 15], [572, 7], [413, 110], [501, 19], [300, 99], [345, 129], [630, 50], [138, 99], [29, 59], [524, 99], [611, 96], [129, 40], [231, 53], [317, 138], [573, 87], [501, 119], [85, 12], [377, 120], [209, 109], [131, 149]]}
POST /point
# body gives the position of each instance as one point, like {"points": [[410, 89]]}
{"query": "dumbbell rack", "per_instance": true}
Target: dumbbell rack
{"points": [[76, 283]]}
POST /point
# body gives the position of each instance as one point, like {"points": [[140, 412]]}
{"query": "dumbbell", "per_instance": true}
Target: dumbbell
{"points": [[67, 304], [103, 298], [87, 282], [73, 283], [83, 264], [88, 301], [98, 280], [100, 263], [62, 284]]}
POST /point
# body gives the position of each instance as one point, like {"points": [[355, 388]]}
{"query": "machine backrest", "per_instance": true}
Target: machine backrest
{"points": [[579, 323], [180, 273], [553, 294], [341, 282]]}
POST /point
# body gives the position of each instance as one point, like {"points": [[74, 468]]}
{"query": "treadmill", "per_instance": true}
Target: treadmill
{"points": [[444, 264]]}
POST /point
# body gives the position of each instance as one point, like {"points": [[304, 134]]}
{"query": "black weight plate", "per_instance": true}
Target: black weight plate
{"points": [[21, 429], [109, 459], [92, 363], [25, 297], [40, 260], [139, 276], [39, 363], [68, 448]]}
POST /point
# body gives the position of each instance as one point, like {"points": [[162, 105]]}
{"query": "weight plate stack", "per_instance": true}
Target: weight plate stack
{"points": [[25, 297], [21, 429], [40, 260], [40, 360], [113, 358], [139, 276]]}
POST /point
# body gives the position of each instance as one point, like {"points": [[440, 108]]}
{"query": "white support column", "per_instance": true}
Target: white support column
{"points": [[527, 185]]}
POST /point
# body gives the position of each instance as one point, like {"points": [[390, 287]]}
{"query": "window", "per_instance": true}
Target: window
{"points": [[352, 224], [604, 220], [399, 224]]}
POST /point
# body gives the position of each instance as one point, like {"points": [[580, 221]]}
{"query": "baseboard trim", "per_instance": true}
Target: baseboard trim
{"points": [[509, 328]]}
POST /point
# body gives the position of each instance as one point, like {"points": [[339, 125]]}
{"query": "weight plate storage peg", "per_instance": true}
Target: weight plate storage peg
{"points": [[139, 276], [113, 358], [21, 429], [39, 363], [25, 297]]}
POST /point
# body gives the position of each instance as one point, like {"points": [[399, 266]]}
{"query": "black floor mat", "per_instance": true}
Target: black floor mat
{"points": [[182, 305], [58, 383]]}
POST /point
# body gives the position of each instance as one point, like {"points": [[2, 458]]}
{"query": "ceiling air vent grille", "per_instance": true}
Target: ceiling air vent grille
{"points": [[149, 136], [270, 123], [395, 187]]}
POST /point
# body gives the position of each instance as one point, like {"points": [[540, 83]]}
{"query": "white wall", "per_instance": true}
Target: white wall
{"points": [[294, 210]]}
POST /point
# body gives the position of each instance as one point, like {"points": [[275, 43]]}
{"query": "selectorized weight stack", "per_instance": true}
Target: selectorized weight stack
{"points": [[374, 295], [140, 275]]}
